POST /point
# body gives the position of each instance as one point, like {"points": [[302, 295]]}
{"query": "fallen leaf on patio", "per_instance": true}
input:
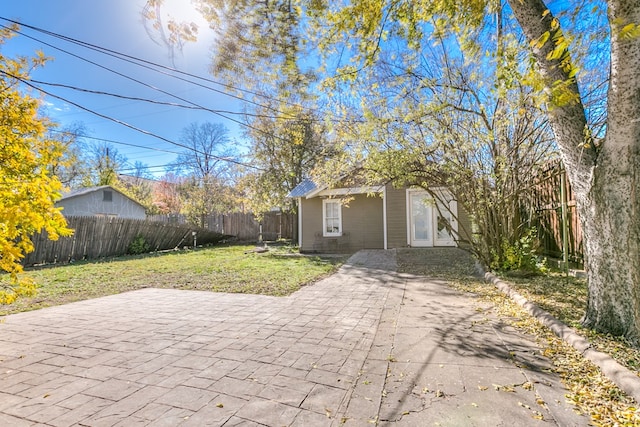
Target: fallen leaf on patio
{"points": [[483, 388], [220, 405], [475, 405]]}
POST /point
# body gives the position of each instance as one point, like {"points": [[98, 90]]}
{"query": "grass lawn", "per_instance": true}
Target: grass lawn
{"points": [[232, 268], [565, 298]]}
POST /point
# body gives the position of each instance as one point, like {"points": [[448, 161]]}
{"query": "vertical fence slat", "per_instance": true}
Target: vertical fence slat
{"points": [[98, 237], [548, 216]]}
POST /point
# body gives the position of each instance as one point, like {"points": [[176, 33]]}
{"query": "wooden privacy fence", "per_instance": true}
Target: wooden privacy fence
{"points": [[97, 237], [244, 226], [557, 216]]}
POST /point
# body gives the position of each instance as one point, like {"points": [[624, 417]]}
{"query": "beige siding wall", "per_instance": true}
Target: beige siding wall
{"points": [[361, 226], [311, 222], [362, 223], [396, 217]]}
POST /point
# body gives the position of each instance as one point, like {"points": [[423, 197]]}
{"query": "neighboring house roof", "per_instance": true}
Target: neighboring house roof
{"points": [[82, 191]]}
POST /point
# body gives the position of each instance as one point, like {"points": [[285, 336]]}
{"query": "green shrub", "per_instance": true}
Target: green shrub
{"points": [[520, 255], [138, 245]]}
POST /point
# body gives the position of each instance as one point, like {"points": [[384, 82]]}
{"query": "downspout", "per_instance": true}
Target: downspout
{"points": [[384, 216]]}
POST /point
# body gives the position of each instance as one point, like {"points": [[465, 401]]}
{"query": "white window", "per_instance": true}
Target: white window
{"points": [[331, 218]]}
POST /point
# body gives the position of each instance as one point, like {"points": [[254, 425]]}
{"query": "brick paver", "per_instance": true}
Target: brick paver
{"points": [[366, 346], [169, 357]]}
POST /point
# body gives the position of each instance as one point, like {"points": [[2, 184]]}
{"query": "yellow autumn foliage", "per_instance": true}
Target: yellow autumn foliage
{"points": [[28, 189]]}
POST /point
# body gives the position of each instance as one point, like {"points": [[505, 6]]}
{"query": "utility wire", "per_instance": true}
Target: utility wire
{"points": [[139, 62], [150, 101], [149, 86], [130, 126], [149, 65], [239, 122], [78, 135]]}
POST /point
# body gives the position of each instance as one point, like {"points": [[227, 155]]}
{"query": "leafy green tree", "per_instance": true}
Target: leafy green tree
{"points": [[104, 161], [28, 189], [73, 167], [603, 169], [469, 126], [605, 173], [259, 54], [283, 151], [602, 160]]}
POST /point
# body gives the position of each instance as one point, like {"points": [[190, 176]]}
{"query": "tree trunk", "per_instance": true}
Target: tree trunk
{"points": [[606, 180]]}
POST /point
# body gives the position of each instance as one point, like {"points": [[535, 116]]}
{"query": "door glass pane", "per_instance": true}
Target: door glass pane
{"points": [[421, 213], [443, 223]]}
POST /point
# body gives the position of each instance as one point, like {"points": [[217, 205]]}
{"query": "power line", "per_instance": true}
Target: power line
{"points": [[140, 62], [138, 81], [78, 135], [144, 147], [223, 115], [159, 67], [130, 126], [151, 101]]}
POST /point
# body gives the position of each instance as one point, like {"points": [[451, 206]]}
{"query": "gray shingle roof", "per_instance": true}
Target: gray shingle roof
{"points": [[305, 187]]}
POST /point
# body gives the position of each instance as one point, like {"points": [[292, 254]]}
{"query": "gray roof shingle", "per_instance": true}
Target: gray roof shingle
{"points": [[304, 188]]}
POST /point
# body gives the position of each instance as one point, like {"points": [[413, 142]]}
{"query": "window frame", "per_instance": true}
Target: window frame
{"points": [[107, 195], [326, 233]]}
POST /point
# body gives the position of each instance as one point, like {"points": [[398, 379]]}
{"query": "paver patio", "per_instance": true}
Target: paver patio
{"points": [[364, 346]]}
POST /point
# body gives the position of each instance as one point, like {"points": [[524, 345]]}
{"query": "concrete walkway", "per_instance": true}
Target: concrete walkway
{"points": [[365, 346]]}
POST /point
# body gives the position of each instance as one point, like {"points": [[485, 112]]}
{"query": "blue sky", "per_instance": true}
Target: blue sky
{"points": [[117, 25]]}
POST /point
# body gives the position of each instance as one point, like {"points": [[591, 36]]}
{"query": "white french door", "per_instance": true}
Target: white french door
{"points": [[430, 223], [421, 223]]}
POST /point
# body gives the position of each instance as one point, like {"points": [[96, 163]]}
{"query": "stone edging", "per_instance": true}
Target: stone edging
{"points": [[628, 381]]}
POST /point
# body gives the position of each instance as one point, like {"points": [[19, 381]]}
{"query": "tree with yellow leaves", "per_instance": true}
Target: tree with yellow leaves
{"points": [[28, 188]]}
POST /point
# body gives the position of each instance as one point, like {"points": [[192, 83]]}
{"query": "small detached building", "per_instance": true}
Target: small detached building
{"points": [[380, 217], [103, 201]]}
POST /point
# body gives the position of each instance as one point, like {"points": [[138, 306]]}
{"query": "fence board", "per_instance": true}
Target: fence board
{"points": [[98, 237], [243, 226], [548, 219]]}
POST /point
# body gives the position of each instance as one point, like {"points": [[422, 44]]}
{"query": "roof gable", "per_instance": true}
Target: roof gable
{"points": [[88, 190]]}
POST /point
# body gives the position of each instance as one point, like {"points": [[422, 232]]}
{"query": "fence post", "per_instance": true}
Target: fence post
{"points": [[565, 233]]}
